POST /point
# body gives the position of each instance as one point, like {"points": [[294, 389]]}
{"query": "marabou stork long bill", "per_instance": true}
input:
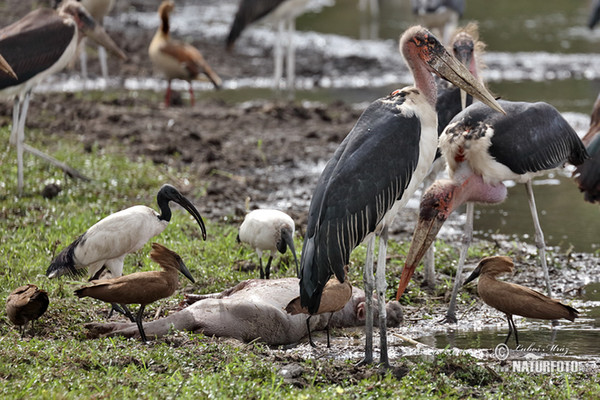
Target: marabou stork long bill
{"points": [[38, 45], [374, 172], [106, 243], [483, 148]]}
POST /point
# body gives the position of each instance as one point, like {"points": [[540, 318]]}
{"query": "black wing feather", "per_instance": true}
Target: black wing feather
{"points": [[248, 12], [587, 174], [369, 171], [33, 44]]}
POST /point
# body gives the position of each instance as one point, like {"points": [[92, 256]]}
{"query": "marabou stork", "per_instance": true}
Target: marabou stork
{"points": [[141, 288], [374, 172], [268, 230], [441, 16], [468, 49], [26, 303], [482, 149], [40, 44], [98, 9], [513, 299], [587, 175], [282, 12], [175, 59]]}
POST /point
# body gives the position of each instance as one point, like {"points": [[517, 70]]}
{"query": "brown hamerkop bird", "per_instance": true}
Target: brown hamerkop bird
{"points": [[175, 59], [334, 298], [513, 299], [141, 288], [24, 304]]}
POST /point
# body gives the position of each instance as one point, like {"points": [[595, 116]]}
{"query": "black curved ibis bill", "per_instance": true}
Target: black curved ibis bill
{"points": [[170, 193]]}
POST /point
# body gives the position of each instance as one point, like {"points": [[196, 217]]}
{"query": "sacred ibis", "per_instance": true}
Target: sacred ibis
{"points": [[268, 230], [482, 149], [373, 173]]}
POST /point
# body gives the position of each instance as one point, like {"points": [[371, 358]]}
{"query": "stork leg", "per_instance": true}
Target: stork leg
{"points": [[368, 279], [278, 55], [103, 63], [309, 334], [83, 60], [381, 287], [466, 242], [539, 235], [290, 79], [138, 321]]}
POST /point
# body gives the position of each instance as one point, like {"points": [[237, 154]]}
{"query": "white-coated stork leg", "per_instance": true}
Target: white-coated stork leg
{"points": [[278, 55], [103, 62], [290, 79], [539, 235], [466, 242], [368, 280], [381, 286], [83, 59]]}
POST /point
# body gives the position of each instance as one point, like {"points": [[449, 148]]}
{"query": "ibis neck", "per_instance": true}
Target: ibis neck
{"points": [[165, 210]]}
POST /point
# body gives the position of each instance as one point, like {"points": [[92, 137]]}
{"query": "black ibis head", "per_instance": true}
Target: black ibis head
{"points": [[169, 193], [495, 265], [5, 67], [287, 240], [89, 27], [425, 54], [166, 257]]}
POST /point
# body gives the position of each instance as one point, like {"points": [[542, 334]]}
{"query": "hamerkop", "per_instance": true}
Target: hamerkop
{"points": [[26, 303], [141, 287], [513, 299], [334, 298]]}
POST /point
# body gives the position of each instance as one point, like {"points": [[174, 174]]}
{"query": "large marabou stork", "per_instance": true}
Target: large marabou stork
{"points": [[441, 16], [175, 59], [41, 43], [284, 14], [587, 175], [374, 172], [468, 49], [482, 149], [98, 9]]}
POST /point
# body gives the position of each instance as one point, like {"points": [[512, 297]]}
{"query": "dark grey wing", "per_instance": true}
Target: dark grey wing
{"points": [[248, 12], [587, 175], [33, 44], [448, 103], [594, 15], [369, 171]]}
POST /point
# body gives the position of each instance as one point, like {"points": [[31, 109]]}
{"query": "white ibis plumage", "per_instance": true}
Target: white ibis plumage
{"points": [[468, 49], [281, 12], [98, 9], [175, 59], [108, 241], [441, 16], [587, 175], [38, 45], [268, 230], [482, 149], [374, 172]]}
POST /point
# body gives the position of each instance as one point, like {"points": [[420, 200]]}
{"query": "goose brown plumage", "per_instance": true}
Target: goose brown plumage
{"points": [[26, 303]]}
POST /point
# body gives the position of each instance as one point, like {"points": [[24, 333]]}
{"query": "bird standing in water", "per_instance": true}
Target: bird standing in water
{"points": [[513, 299]]}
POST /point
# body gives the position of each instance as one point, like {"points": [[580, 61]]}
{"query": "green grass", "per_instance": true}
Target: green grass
{"points": [[60, 362]]}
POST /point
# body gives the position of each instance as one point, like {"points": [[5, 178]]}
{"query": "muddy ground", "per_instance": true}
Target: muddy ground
{"points": [[237, 151]]}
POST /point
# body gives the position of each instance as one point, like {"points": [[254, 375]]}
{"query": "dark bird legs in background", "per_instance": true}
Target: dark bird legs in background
{"points": [[373, 173], [513, 299], [284, 14], [141, 288], [440, 16], [26, 303], [482, 149], [38, 45]]}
